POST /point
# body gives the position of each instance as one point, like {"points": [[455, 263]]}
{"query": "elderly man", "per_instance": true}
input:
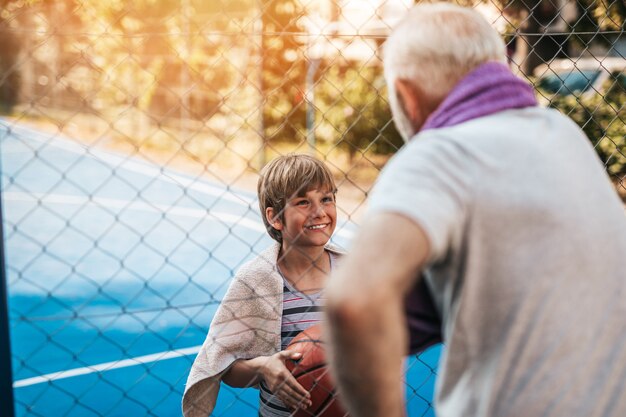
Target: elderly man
{"points": [[522, 238]]}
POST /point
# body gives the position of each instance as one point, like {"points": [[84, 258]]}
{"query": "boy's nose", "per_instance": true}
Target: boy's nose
{"points": [[317, 210]]}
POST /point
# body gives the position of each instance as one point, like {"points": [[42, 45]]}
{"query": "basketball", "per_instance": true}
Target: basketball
{"points": [[312, 373]]}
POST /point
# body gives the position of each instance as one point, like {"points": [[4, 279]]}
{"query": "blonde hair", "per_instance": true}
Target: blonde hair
{"points": [[286, 177], [437, 44]]}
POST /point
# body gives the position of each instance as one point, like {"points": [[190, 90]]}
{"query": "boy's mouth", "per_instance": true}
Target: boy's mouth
{"points": [[317, 226]]}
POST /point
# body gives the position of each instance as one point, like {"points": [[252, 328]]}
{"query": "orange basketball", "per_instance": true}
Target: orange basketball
{"points": [[311, 372]]}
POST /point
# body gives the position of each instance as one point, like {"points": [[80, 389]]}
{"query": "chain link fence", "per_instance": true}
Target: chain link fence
{"points": [[132, 136]]}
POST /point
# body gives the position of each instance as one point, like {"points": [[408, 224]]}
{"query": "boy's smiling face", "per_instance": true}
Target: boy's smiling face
{"points": [[308, 220]]}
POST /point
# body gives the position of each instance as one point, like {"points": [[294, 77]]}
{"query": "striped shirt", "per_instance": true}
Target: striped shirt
{"points": [[300, 311]]}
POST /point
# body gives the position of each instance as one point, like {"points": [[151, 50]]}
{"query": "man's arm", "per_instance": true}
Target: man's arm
{"points": [[365, 311]]}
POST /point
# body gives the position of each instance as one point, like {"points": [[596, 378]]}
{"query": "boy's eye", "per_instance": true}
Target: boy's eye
{"points": [[328, 199], [301, 202]]}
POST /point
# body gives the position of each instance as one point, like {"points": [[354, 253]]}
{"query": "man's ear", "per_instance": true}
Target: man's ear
{"points": [[273, 218], [411, 102]]}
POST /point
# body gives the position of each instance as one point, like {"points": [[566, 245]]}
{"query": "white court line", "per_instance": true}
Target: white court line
{"points": [[108, 366], [130, 164], [228, 218], [134, 205], [151, 171]]}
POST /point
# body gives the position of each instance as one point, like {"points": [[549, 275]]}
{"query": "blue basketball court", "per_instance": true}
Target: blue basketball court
{"points": [[115, 267]]}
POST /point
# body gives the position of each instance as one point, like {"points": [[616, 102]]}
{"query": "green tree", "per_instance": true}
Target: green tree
{"points": [[283, 71], [353, 112], [120, 53], [534, 18], [603, 118], [9, 71]]}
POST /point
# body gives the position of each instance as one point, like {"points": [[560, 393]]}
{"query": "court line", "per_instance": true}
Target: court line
{"points": [[228, 218], [107, 366], [150, 170], [133, 205], [129, 163]]}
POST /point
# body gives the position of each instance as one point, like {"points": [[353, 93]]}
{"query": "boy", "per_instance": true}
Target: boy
{"points": [[273, 297]]}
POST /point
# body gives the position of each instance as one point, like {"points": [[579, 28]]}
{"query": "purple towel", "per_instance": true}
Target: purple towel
{"points": [[488, 89]]}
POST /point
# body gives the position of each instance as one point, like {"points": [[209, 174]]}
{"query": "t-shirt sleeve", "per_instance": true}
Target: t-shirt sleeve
{"points": [[427, 181]]}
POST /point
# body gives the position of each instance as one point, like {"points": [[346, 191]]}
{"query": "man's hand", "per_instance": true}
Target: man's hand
{"points": [[365, 312]]}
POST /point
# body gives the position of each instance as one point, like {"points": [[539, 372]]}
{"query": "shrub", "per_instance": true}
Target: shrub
{"points": [[603, 118]]}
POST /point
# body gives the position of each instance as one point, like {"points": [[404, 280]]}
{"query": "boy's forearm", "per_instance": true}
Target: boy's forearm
{"points": [[244, 373]]}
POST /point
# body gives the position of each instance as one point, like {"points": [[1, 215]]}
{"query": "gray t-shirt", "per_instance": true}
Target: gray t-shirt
{"points": [[527, 265]]}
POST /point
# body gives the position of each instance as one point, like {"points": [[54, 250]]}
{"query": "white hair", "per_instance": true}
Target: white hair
{"points": [[435, 46]]}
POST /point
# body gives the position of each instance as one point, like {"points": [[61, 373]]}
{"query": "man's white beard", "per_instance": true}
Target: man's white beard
{"points": [[400, 119]]}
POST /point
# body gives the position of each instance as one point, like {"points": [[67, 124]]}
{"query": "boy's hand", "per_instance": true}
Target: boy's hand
{"points": [[282, 383]]}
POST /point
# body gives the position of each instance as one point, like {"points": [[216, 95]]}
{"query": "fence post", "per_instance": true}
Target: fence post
{"points": [[6, 377]]}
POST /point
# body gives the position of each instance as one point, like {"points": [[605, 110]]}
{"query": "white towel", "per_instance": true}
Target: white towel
{"points": [[246, 325]]}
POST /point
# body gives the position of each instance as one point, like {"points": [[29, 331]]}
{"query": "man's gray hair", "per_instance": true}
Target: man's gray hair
{"points": [[437, 44]]}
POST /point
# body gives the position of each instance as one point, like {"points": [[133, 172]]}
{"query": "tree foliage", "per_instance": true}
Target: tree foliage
{"points": [[353, 112], [9, 75], [283, 70], [603, 119], [160, 57]]}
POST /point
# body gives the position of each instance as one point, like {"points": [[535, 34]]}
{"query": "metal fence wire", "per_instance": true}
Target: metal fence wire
{"points": [[132, 135]]}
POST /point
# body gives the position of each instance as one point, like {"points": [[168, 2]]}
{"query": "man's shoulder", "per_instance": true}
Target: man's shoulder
{"points": [[512, 122], [485, 135], [504, 117]]}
